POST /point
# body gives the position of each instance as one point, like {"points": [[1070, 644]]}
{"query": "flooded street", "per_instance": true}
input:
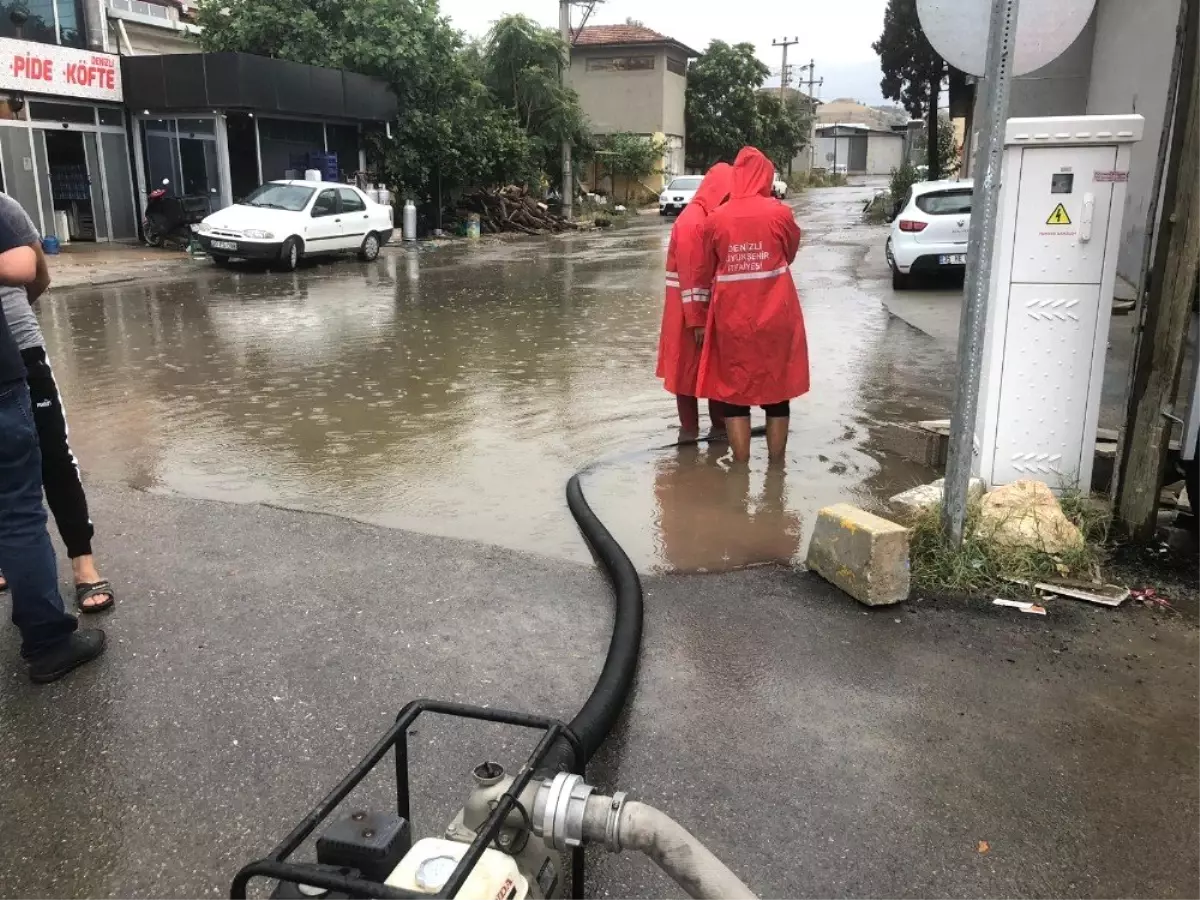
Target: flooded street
{"points": [[453, 391]]}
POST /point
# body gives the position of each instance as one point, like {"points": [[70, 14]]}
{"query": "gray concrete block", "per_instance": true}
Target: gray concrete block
{"points": [[916, 500], [919, 445], [864, 555]]}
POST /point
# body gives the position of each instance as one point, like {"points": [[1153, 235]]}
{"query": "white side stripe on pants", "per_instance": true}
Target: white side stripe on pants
{"points": [[751, 276]]}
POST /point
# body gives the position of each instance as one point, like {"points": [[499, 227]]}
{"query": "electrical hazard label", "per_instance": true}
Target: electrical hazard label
{"points": [[1059, 216]]}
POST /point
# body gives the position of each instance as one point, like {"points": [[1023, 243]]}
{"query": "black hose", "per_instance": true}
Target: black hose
{"points": [[596, 718]]}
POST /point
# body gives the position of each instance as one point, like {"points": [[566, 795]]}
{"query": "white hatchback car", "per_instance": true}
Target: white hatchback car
{"points": [[929, 233], [283, 221], [678, 194]]}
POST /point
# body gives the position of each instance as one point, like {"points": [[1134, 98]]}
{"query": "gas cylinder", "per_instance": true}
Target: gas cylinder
{"points": [[410, 221]]}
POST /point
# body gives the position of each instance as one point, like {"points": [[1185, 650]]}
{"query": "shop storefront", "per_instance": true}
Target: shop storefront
{"points": [[217, 125], [63, 140]]}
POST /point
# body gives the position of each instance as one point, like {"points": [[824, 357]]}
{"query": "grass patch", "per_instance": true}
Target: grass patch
{"points": [[983, 565], [801, 181]]}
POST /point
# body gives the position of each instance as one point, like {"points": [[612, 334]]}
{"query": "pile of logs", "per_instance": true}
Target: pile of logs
{"points": [[510, 209]]}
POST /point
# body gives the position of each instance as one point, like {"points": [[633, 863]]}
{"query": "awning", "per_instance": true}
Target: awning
{"points": [[259, 84]]}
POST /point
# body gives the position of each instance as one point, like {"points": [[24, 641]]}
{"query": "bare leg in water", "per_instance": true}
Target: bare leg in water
{"points": [[689, 417], [738, 429], [777, 438], [717, 416]]}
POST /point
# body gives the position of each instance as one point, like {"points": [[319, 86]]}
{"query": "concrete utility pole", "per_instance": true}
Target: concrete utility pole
{"points": [[568, 182], [981, 246], [1163, 335], [784, 43]]}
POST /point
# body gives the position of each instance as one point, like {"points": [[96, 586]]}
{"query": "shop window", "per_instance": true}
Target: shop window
{"points": [[111, 116], [195, 127], [43, 111], [43, 21], [678, 66], [620, 63], [70, 23]]}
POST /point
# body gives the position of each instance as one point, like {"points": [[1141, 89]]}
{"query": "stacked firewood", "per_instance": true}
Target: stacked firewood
{"points": [[510, 209]]}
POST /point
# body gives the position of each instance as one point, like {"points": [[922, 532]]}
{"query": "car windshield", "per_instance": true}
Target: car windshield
{"points": [[945, 203], [273, 195], [684, 184]]}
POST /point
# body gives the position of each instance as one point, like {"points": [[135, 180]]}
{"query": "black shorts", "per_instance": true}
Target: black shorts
{"points": [[773, 410]]}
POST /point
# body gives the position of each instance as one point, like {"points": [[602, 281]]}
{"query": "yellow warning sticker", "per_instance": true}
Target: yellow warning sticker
{"points": [[1059, 216]]}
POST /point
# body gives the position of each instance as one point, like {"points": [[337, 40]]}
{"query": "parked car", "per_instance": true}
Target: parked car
{"points": [[678, 194], [779, 189], [929, 233], [284, 221]]}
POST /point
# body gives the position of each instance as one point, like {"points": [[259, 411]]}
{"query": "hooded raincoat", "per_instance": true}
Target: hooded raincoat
{"points": [[686, 306], [755, 349]]}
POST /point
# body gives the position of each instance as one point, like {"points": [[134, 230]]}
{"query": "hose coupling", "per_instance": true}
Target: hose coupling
{"points": [[558, 810], [612, 835]]}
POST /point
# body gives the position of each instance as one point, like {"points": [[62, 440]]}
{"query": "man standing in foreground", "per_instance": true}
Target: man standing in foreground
{"points": [[50, 641]]}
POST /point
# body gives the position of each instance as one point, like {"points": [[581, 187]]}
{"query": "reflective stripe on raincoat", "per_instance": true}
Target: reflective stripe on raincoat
{"points": [[755, 350], [686, 305]]}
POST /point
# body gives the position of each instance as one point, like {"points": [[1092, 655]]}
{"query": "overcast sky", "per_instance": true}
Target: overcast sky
{"points": [[836, 33]]}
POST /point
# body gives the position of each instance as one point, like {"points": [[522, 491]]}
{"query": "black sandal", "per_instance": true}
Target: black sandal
{"points": [[86, 591]]}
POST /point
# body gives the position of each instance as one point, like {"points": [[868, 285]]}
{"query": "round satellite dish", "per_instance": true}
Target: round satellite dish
{"points": [[958, 30]]}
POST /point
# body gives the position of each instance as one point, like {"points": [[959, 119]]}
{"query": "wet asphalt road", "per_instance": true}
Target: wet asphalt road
{"points": [[820, 749]]}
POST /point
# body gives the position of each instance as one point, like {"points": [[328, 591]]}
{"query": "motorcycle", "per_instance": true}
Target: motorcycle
{"points": [[169, 219]]}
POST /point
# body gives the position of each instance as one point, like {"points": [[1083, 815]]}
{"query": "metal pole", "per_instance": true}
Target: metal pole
{"points": [[568, 181], [784, 43], [981, 245]]}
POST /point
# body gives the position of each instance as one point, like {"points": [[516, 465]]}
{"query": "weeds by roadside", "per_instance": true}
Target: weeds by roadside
{"points": [[984, 565], [801, 181]]}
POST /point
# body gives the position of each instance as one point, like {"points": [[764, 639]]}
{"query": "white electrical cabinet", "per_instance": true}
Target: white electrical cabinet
{"points": [[1053, 272]]}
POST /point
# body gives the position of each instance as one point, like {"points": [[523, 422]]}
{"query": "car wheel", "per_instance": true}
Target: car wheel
{"points": [[900, 281], [289, 255], [218, 260], [369, 251]]}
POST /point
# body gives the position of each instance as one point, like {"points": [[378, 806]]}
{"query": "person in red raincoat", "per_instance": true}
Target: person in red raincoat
{"points": [[755, 350], [686, 308]]}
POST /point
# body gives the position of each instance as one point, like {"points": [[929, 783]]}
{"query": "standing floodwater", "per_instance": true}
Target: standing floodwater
{"points": [[453, 391]]}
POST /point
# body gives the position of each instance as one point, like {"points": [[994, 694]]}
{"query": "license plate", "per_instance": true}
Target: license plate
{"points": [[232, 245], [955, 259]]}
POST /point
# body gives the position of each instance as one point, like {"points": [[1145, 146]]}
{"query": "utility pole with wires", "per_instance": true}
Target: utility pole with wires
{"points": [[568, 40], [811, 82], [784, 74]]}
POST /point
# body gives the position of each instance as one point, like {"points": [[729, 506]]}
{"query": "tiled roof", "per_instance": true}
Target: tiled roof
{"points": [[600, 35]]}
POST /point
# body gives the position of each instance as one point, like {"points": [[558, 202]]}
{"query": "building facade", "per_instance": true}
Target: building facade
{"points": [[85, 133], [858, 149], [633, 79]]}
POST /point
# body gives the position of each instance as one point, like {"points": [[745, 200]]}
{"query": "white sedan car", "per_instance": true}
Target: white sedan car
{"points": [[929, 233], [678, 194], [284, 221]]}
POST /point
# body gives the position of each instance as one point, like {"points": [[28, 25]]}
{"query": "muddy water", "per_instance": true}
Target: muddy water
{"points": [[453, 391]]}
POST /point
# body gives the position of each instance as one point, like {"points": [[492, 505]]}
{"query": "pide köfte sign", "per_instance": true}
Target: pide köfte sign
{"points": [[31, 68]]}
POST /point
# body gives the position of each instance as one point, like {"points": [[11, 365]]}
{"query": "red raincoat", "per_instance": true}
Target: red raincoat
{"points": [[755, 349], [686, 306]]}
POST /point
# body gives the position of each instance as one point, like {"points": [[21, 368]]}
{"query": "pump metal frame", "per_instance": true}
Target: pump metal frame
{"points": [[276, 865]]}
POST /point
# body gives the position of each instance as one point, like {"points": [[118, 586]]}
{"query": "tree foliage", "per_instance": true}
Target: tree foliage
{"points": [[912, 69], [469, 115], [631, 156], [727, 109], [521, 64]]}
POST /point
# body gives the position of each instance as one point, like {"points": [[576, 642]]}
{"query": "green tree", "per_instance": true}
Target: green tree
{"points": [[912, 70], [781, 129], [631, 156], [450, 133], [947, 147], [722, 108], [521, 63]]}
